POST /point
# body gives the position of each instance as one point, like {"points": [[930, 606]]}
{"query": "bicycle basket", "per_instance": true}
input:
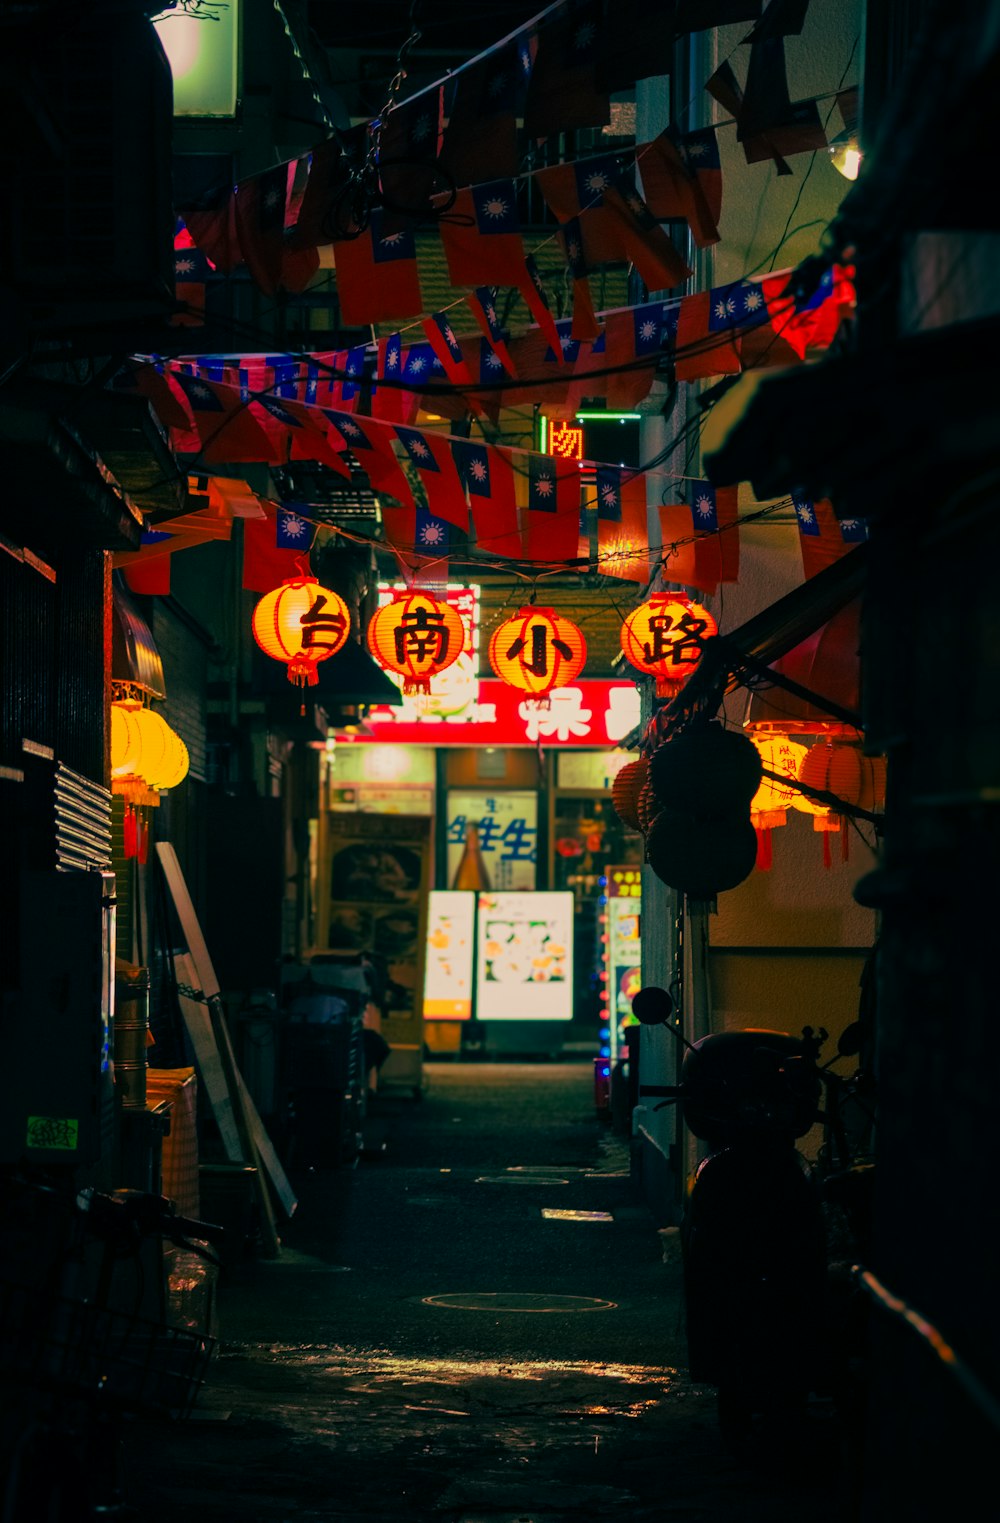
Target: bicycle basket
{"points": [[74, 1348]]}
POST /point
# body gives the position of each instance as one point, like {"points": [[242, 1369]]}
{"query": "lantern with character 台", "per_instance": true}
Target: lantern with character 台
{"points": [[416, 635], [663, 637], [537, 650], [301, 623]]}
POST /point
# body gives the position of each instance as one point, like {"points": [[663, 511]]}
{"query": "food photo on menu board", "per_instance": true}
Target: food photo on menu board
{"points": [[525, 956]]}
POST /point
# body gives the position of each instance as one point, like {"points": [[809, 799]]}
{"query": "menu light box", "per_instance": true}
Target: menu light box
{"points": [[448, 968], [524, 957]]}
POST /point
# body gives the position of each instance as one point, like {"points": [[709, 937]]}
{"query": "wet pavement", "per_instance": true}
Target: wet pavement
{"points": [[476, 1325]]}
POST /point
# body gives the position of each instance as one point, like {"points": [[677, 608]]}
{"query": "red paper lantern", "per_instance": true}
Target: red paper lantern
{"points": [[852, 776], [537, 650], [301, 623], [663, 637], [416, 636], [625, 791]]}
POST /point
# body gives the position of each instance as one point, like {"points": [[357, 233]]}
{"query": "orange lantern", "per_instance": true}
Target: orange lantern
{"points": [[301, 623], [416, 635], [625, 791], [537, 650], [845, 771], [770, 804], [663, 637]]}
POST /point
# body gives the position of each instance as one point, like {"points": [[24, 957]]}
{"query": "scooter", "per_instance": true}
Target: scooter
{"points": [[752, 1235]]}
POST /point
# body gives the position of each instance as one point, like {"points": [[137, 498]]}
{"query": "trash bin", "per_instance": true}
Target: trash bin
{"points": [[324, 1078]]}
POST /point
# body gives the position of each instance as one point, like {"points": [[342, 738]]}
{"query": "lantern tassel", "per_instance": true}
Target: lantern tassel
{"points": [[827, 854], [845, 839], [764, 854]]}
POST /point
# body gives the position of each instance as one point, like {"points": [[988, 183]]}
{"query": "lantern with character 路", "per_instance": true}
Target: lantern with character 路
{"points": [[664, 637]]}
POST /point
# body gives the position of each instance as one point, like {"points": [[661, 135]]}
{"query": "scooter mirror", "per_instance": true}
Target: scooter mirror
{"points": [[849, 1044], [652, 1006]]}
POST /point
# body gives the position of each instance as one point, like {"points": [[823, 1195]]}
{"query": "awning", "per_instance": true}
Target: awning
{"points": [[728, 662], [134, 656]]}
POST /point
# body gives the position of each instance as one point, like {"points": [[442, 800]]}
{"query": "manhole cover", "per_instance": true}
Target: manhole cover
{"points": [[553, 1215], [521, 1179], [545, 1168], [502, 1301]]}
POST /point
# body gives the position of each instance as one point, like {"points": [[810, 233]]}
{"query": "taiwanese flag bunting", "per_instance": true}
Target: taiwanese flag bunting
{"points": [[161, 391], [565, 89], [638, 44], [226, 428], [768, 120], [488, 477], [308, 439], [192, 272], [261, 207], [585, 324], [682, 179], [701, 544], [481, 236], [268, 561], [349, 369], [614, 223], [409, 143], [483, 305], [441, 337], [533, 292], [431, 457], [480, 139], [324, 212], [377, 278], [431, 535], [622, 530], [371, 445], [211, 221], [551, 517], [823, 536], [391, 402], [634, 340]]}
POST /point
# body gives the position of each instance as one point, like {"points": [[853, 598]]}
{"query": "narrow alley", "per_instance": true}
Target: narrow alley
{"points": [[441, 1339]]}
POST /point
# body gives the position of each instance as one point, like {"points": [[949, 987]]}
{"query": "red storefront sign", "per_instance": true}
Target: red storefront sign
{"points": [[590, 712]]}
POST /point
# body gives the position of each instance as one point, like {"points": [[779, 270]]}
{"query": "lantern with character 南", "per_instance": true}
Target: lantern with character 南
{"points": [[416, 636]]}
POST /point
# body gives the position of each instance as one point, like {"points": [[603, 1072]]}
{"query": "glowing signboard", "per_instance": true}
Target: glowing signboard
{"points": [[524, 957], [623, 954], [449, 964], [565, 441], [591, 712]]}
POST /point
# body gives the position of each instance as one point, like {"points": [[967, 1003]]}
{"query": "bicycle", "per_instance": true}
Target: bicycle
{"points": [[72, 1362]]}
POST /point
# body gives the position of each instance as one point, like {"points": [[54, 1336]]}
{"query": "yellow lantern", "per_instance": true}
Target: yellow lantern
{"points": [[770, 804], [537, 650], [663, 637], [416, 636], [126, 742], [178, 764], [301, 623], [154, 745]]}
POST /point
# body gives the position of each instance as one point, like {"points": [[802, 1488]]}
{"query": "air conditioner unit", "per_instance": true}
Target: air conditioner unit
{"points": [[85, 168]]}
